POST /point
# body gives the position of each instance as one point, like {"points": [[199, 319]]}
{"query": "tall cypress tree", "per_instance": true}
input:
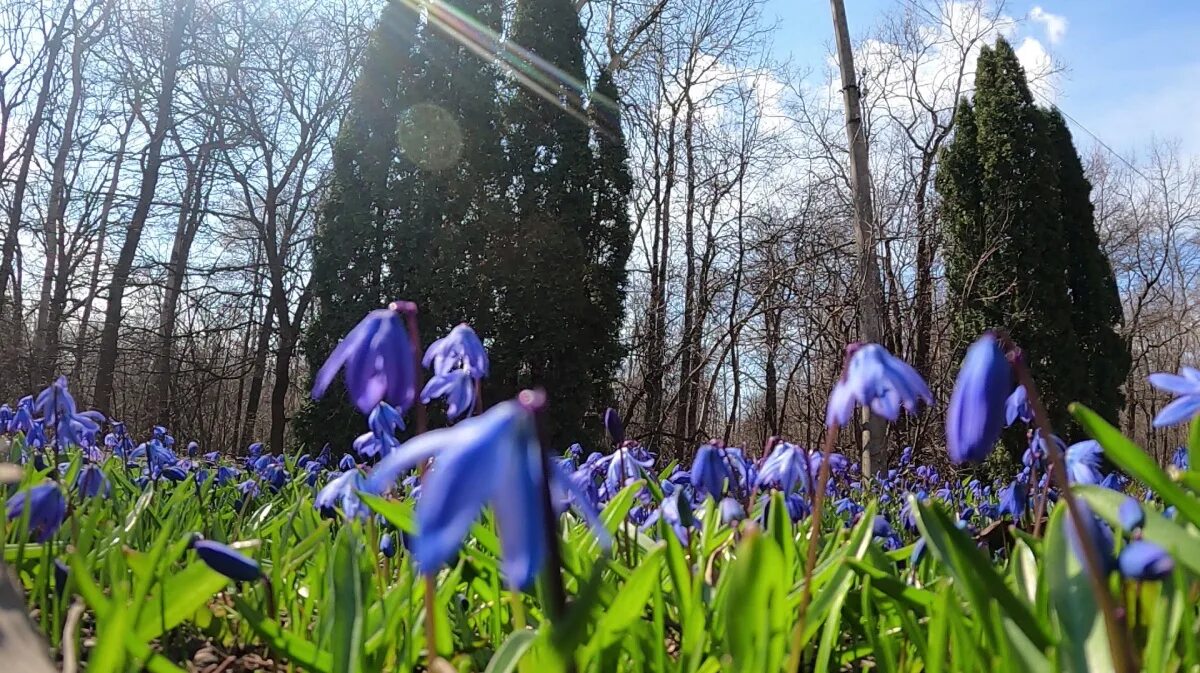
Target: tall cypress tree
{"points": [[610, 238], [351, 239], [545, 318], [1007, 268], [1096, 312]]}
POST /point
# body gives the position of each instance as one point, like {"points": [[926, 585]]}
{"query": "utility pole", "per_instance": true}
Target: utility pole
{"points": [[868, 280]]}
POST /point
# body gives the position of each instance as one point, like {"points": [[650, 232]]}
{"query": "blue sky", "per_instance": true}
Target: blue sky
{"points": [[1133, 67]]}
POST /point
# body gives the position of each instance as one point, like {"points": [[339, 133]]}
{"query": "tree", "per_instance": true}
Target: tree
{"points": [[1003, 228], [545, 327], [1096, 313]]}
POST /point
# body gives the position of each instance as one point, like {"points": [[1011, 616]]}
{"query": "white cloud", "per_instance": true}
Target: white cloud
{"points": [[1056, 24], [1039, 69]]}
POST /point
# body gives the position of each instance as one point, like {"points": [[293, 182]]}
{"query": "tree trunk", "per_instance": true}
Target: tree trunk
{"points": [[107, 362], [685, 400]]}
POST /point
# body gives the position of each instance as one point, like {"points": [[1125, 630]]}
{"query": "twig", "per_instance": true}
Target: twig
{"points": [[70, 629]]}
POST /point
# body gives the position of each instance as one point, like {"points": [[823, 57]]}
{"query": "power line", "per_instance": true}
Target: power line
{"points": [[1103, 144]]}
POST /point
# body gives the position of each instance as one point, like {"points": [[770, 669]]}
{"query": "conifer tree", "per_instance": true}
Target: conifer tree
{"points": [[1004, 229], [1096, 313]]}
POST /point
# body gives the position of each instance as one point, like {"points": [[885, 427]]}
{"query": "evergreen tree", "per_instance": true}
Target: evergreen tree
{"points": [[610, 239], [1000, 194], [547, 329], [1095, 302], [351, 239]]}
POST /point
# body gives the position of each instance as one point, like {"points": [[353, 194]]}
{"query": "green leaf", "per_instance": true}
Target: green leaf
{"points": [[1193, 445], [297, 650], [346, 592], [755, 590], [178, 599], [1083, 644], [109, 655], [630, 602], [509, 654], [1133, 460], [974, 573], [399, 513]]}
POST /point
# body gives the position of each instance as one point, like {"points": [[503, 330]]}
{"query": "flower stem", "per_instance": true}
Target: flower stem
{"points": [[814, 537], [1114, 622]]}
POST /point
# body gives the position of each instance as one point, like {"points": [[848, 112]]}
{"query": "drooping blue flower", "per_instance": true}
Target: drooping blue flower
{"points": [[380, 440], [675, 512], [193, 449], [347, 462], [785, 468], [1144, 560], [908, 514], [225, 475], [881, 528], [91, 482], [1130, 514], [6, 416], [492, 458], [47, 508], [22, 420], [975, 416], [377, 359], [711, 471], [227, 561], [1179, 459], [456, 386], [174, 473], [460, 349], [343, 492], [797, 506], [875, 378], [918, 552], [249, 488], [1113, 481], [731, 511], [254, 451], [623, 466], [906, 455], [1016, 407], [1186, 387], [387, 544], [1083, 462], [1014, 499], [1099, 532], [614, 427]]}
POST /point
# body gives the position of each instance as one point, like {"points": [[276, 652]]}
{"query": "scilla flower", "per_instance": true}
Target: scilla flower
{"points": [[492, 458], [785, 468], [976, 413], [47, 508], [377, 358], [1016, 407], [384, 421], [1186, 387], [875, 378], [1143, 560], [343, 492], [227, 561], [457, 360], [1083, 462]]}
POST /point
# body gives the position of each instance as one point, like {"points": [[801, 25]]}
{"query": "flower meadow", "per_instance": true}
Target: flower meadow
{"points": [[475, 547]]}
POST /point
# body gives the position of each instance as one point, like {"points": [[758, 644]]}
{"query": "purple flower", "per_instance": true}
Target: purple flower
{"points": [[460, 349], [383, 421], [193, 449], [1083, 462], [1016, 407], [492, 458], [22, 420], [1186, 387], [377, 357], [1099, 533], [976, 413], [47, 508], [91, 482], [227, 561], [347, 462], [387, 544], [1130, 514], [1143, 560], [785, 468], [456, 386], [343, 492], [623, 466], [731, 511], [875, 378], [1179, 459], [614, 427], [1014, 499], [249, 488], [710, 471]]}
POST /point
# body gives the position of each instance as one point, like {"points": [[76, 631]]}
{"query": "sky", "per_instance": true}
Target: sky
{"points": [[1132, 67]]}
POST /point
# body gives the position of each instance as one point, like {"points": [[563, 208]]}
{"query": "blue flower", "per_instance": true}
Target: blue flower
{"points": [[387, 544], [492, 458], [1186, 387], [47, 508], [613, 426], [675, 511], [906, 455], [248, 488], [1113, 481], [975, 416], [880, 527], [623, 466], [377, 357], [1099, 533], [731, 511], [456, 386], [460, 349], [227, 561], [1014, 499], [22, 420], [1143, 560], [785, 468], [1016, 407], [383, 421], [347, 462], [1130, 514], [91, 482], [225, 475], [710, 471], [343, 492], [1083, 462], [1179, 459], [875, 378]]}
